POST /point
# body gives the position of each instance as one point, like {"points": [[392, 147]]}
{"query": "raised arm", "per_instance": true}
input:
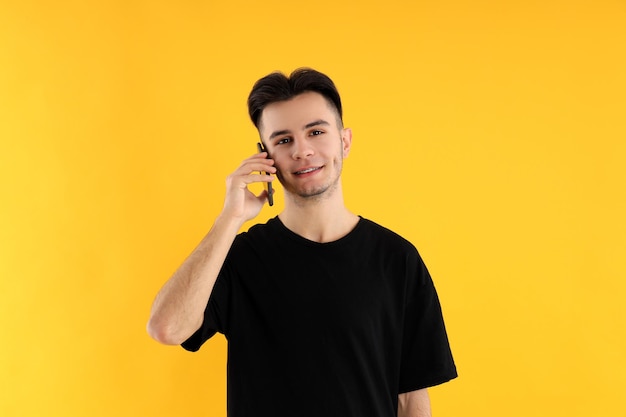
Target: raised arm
{"points": [[178, 310]]}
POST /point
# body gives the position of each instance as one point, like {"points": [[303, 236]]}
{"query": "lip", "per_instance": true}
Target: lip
{"points": [[307, 170]]}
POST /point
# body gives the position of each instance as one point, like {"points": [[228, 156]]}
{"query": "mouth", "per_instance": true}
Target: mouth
{"points": [[308, 170]]}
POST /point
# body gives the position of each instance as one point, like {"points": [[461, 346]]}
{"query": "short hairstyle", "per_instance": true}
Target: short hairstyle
{"points": [[277, 86]]}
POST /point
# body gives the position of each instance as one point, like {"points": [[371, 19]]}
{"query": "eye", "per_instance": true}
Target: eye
{"points": [[316, 132], [283, 140]]}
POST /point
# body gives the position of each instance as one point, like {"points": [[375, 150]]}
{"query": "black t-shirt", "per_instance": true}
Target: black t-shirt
{"points": [[334, 329]]}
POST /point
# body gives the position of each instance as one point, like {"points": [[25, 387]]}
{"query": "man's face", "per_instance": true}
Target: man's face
{"points": [[308, 145]]}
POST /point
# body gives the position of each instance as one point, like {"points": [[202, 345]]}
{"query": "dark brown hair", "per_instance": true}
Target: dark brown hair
{"points": [[278, 87]]}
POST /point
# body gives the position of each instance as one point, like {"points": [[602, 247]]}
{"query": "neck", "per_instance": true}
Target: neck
{"points": [[318, 219]]}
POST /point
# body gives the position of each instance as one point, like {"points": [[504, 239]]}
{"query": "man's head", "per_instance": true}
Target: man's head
{"points": [[299, 121], [277, 87]]}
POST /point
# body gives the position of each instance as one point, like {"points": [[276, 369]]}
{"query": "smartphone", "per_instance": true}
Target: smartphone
{"points": [[268, 185]]}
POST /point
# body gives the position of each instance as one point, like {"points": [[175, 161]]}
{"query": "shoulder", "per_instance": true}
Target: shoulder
{"points": [[259, 235], [261, 230], [376, 232], [252, 246], [396, 253]]}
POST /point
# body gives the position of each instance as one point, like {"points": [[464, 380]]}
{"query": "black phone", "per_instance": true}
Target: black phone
{"points": [[268, 185]]}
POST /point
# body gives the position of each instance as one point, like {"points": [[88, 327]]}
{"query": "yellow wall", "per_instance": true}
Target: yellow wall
{"points": [[492, 134]]}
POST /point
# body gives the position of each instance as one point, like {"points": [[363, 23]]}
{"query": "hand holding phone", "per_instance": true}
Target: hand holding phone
{"points": [[268, 185]]}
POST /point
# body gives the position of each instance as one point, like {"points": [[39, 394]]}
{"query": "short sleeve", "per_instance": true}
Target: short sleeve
{"points": [[426, 356], [215, 315]]}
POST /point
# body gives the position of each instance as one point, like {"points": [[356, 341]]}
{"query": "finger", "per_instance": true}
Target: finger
{"points": [[266, 165], [242, 181], [258, 156], [252, 178]]}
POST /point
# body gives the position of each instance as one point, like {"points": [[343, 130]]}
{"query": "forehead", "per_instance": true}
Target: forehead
{"points": [[296, 112]]}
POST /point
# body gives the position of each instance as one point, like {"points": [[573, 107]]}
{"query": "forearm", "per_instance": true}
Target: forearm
{"points": [[414, 404], [178, 310]]}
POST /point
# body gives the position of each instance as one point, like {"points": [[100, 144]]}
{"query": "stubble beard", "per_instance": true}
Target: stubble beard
{"points": [[319, 193]]}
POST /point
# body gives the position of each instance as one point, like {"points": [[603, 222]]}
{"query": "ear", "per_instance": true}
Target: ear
{"points": [[346, 141]]}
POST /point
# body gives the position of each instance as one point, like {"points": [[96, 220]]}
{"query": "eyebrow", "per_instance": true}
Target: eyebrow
{"points": [[319, 122]]}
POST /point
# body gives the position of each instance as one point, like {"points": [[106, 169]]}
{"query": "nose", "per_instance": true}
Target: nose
{"points": [[301, 148]]}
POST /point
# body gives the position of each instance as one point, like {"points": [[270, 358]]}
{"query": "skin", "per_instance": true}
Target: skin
{"points": [[308, 145], [304, 134], [414, 404]]}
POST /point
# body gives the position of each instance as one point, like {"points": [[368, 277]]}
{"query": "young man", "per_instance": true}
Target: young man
{"points": [[326, 313]]}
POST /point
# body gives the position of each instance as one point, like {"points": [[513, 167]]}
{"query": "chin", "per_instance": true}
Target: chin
{"points": [[323, 191]]}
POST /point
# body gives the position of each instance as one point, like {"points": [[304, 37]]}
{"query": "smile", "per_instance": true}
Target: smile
{"points": [[307, 170]]}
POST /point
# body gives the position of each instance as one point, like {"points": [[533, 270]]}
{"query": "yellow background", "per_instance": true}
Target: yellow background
{"points": [[492, 134]]}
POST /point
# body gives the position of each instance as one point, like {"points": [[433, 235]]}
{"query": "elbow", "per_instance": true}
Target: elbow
{"points": [[163, 332]]}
